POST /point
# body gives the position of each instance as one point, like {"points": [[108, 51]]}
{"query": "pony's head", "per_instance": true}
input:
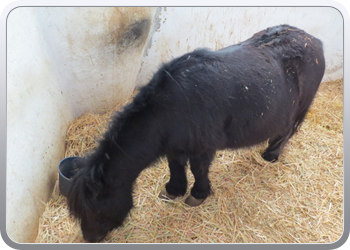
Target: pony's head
{"points": [[100, 203]]}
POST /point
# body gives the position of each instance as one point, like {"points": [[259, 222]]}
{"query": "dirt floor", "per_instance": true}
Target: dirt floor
{"points": [[299, 198]]}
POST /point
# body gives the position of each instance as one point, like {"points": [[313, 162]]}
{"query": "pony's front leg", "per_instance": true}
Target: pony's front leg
{"points": [[177, 184], [201, 189]]}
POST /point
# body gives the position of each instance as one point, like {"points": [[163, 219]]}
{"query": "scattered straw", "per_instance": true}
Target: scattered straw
{"points": [[299, 198]]}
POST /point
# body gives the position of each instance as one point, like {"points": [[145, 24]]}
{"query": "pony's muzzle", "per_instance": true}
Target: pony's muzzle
{"points": [[93, 238]]}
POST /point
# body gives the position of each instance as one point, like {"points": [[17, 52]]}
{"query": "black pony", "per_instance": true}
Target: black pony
{"points": [[201, 102]]}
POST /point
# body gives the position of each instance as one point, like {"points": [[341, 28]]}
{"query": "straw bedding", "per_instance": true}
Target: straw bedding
{"points": [[299, 198]]}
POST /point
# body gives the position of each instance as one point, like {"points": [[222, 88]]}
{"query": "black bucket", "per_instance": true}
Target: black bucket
{"points": [[66, 169]]}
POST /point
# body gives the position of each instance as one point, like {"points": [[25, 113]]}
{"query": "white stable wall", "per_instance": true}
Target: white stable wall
{"points": [[183, 29], [37, 118], [64, 62]]}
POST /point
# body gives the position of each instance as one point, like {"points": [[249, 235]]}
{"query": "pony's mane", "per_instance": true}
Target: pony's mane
{"points": [[146, 94]]}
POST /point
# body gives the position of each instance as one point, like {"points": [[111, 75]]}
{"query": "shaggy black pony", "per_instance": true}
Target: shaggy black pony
{"points": [[196, 104]]}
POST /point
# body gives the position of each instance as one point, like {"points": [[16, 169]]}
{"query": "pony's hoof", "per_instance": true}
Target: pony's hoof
{"points": [[269, 157], [164, 195], [193, 202]]}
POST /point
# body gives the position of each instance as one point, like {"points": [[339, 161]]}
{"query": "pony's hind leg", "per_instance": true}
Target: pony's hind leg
{"points": [[273, 151], [277, 144], [200, 168], [177, 185]]}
